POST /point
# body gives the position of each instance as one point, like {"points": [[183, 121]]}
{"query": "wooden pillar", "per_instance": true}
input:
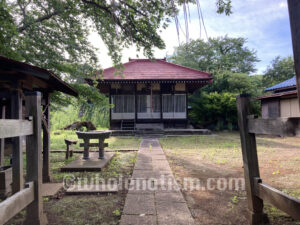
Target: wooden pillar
{"points": [[46, 139], [110, 109], [34, 213], [294, 12], [2, 140], [135, 103], [250, 160], [17, 155], [161, 103], [186, 109]]}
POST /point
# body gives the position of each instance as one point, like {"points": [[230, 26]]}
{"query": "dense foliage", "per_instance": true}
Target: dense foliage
{"points": [[280, 70], [216, 55], [230, 62]]}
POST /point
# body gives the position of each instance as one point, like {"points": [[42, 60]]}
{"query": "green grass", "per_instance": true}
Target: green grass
{"points": [[58, 141]]}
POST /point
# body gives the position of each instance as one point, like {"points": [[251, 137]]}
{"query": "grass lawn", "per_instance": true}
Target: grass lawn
{"points": [[58, 141], [219, 156], [88, 209]]}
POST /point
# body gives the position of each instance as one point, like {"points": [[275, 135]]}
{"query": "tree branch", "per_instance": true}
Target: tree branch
{"points": [[41, 19]]}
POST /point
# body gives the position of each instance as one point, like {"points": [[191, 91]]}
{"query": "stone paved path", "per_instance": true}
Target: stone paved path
{"points": [[154, 197]]}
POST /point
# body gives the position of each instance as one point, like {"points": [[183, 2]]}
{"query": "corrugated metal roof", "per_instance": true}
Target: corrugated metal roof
{"points": [[285, 84]]}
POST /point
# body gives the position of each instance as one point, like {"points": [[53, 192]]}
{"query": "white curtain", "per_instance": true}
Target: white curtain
{"points": [[123, 103]]}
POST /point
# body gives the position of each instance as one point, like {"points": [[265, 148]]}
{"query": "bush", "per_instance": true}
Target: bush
{"points": [[214, 110]]}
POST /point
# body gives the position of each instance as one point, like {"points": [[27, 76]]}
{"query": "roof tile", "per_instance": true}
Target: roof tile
{"points": [[145, 69]]}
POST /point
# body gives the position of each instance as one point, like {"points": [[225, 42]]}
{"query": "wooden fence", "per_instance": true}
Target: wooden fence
{"points": [[30, 196], [257, 191]]}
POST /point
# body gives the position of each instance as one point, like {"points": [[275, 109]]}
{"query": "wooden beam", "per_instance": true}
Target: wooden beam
{"points": [[46, 138], [34, 213], [15, 128], [294, 12], [250, 161], [285, 127], [277, 198], [17, 202], [17, 156]]}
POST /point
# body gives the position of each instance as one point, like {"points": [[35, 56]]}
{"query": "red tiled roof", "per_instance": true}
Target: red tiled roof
{"points": [[145, 69]]}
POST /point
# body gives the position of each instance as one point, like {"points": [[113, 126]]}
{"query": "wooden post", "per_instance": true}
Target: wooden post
{"points": [[46, 139], [161, 103], [186, 110], [110, 109], [294, 12], [34, 213], [251, 169], [2, 140], [135, 104], [17, 156]]}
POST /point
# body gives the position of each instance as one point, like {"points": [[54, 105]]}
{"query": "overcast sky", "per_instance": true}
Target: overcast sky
{"points": [[265, 24]]}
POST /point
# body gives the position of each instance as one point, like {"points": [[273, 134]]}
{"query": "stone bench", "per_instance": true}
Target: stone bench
{"points": [[70, 143]]}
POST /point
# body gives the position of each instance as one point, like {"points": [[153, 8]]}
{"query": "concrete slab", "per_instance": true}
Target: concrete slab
{"points": [[159, 157], [50, 189], [170, 197], [92, 164], [137, 204], [138, 220], [174, 213], [92, 189], [143, 166], [141, 186], [145, 174]]}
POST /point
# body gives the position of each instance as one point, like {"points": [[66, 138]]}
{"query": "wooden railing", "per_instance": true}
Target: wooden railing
{"points": [[30, 196], [257, 191], [14, 204]]}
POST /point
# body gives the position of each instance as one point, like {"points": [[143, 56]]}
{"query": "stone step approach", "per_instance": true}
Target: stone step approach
{"points": [[154, 197]]}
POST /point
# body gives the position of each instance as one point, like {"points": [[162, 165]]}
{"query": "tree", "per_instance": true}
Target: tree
{"points": [[53, 34], [214, 110], [230, 62], [280, 70], [237, 83], [217, 54]]}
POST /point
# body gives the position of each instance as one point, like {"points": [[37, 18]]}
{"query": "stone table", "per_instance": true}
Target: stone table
{"points": [[90, 135]]}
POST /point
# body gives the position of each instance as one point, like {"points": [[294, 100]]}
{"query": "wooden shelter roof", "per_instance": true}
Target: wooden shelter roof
{"points": [[32, 77], [158, 70]]}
